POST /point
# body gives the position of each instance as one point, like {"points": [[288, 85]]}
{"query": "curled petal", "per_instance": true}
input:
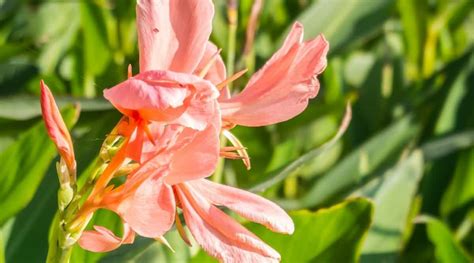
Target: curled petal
{"points": [[220, 235], [281, 89], [103, 240], [246, 204], [172, 34], [56, 127], [167, 97]]}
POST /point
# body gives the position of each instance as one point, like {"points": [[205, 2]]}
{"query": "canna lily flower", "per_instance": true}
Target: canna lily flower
{"points": [[287, 81], [175, 178], [56, 128], [176, 107]]}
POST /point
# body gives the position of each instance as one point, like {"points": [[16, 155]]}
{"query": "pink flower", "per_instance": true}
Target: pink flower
{"points": [[176, 114], [174, 178], [56, 127]]}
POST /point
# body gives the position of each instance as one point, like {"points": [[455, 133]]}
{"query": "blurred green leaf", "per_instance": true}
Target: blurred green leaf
{"points": [[97, 51], [392, 194], [460, 192], [55, 27], [447, 249], [440, 147], [414, 18], [14, 76], [24, 164], [366, 161], [27, 107], [30, 228], [345, 22], [296, 164], [334, 234]]}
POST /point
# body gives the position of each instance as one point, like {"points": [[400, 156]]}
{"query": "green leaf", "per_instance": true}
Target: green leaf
{"points": [[441, 147], [370, 159], [392, 194], [334, 234], [60, 31], [447, 248], [24, 165], [345, 22], [460, 192], [27, 107], [414, 18], [96, 48], [31, 226], [296, 164]]}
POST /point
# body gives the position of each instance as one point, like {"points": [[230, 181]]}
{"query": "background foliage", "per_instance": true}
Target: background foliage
{"points": [[406, 66]]}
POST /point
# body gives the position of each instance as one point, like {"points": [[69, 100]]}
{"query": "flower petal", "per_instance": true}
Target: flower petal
{"points": [[103, 240], [172, 34], [165, 96], [281, 89], [246, 204], [220, 235], [150, 209], [198, 159], [56, 127]]}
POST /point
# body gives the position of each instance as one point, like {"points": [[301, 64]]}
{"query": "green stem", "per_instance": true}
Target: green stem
{"points": [[232, 15]]}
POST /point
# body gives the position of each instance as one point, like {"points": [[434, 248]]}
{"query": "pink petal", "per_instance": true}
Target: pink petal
{"points": [[281, 89], [172, 34], [220, 235], [198, 159], [150, 209], [56, 127], [167, 97], [246, 204], [103, 240]]}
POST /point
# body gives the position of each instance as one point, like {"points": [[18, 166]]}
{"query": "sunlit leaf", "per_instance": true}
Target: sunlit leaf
{"points": [[447, 248], [392, 194], [364, 162], [333, 234]]}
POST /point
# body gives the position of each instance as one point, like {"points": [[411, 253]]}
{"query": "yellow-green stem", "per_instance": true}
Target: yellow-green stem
{"points": [[232, 16]]}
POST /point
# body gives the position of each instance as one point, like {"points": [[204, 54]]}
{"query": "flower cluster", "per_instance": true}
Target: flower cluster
{"points": [[174, 113]]}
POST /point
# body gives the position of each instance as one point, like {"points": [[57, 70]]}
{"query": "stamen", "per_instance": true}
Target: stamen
{"points": [[232, 78], [239, 148], [209, 64], [130, 74], [148, 133], [163, 241], [181, 230]]}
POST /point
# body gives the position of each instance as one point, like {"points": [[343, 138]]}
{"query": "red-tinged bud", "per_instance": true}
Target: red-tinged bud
{"points": [[56, 128]]}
